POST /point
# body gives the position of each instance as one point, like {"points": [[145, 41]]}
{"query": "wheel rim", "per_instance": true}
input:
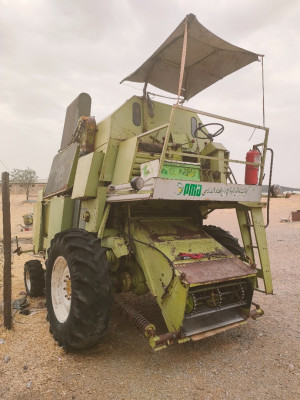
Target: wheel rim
{"points": [[61, 290], [28, 281]]}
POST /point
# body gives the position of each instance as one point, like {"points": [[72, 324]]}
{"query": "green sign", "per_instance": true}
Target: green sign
{"points": [[180, 172]]}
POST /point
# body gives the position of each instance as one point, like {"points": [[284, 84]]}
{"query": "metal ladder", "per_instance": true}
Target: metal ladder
{"points": [[250, 216]]}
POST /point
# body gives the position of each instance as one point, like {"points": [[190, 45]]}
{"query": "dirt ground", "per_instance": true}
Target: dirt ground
{"points": [[259, 360]]}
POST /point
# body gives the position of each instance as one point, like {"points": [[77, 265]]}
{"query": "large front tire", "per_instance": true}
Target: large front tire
{"points": [[225, 239], [77, 289]]}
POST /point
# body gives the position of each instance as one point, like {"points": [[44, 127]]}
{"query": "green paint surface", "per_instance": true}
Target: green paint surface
{"points": [[181, 172], [86, 179], [38, 224], [60, 216]]}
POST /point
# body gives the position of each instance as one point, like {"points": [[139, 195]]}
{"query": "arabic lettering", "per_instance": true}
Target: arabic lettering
{"points": [[225, 191], [192, 189]]}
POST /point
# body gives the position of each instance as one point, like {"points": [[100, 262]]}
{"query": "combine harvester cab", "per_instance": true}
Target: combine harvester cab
{"points": [[127, 199]]}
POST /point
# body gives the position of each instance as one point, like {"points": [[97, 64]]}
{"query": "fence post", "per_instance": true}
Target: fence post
{"points": [[7, 251]]}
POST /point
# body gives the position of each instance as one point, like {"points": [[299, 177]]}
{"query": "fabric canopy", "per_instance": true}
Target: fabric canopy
{"points": [[208, 59]]}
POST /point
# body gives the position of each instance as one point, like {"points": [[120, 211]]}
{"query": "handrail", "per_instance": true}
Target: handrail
{"points": [[168, 125], [269, 187], [234, 121], [153, 130], [210, 158]]}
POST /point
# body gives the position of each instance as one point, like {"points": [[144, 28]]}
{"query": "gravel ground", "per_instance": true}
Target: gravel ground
{"points": [[259, 360]]}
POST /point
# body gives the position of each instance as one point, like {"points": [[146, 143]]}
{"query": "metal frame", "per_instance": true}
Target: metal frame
{"points": [[264, 144], [199, 157]]}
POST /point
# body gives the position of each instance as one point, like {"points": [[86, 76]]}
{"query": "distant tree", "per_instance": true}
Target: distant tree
{"points": [[25, 178]]}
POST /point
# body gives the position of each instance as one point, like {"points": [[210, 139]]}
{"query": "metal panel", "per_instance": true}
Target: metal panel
{"points": [[38, 224], [76, 214], [62, 171], [125, 192], [79, 107], [61, 210], [95, 207], [167, 189], [206, 191], [215, 270], [209, 322], [124, 161], [112, 131], [87, 176]]}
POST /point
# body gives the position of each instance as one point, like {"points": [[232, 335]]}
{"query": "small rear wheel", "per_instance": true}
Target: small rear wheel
{"points": [[77, 289], [34, 278]]}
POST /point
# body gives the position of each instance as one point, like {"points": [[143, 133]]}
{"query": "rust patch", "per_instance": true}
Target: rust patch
{"points": [[183, 232], [153, 235], [215, 270], [173, 251], [172, 230], [168, 338]]}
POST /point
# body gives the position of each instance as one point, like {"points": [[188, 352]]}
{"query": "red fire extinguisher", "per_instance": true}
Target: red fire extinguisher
{"points": [[251, 171]]}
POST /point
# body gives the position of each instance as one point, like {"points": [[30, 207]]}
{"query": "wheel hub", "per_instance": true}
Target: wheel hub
{"points": [[28, 281], [61, 289]]}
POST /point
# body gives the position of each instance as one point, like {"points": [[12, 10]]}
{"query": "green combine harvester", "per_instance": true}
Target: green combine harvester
{"points": [[126, 201]]}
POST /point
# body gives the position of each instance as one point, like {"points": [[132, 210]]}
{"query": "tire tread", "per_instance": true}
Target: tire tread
{"points": [[91, 297]]}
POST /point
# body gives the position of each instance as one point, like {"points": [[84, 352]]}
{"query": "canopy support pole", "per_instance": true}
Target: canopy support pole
{"points": [[263, 89], [145, 90], [183, 58]]}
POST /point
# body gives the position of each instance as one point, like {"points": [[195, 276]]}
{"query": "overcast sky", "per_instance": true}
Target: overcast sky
{"points": [[52, 50]]}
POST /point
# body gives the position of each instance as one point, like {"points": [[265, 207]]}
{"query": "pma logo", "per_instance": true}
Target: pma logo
{"points": [[189, 189], [180, 188]]}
